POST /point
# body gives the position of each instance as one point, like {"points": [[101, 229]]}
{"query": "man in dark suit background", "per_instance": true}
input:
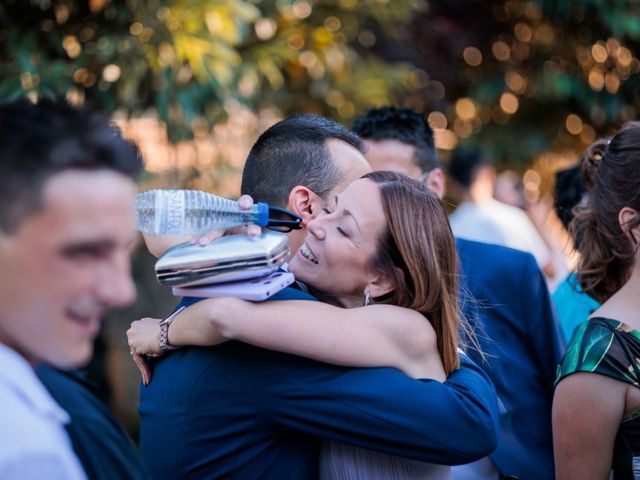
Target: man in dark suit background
{"points": [[238, 411], [510, 309]]}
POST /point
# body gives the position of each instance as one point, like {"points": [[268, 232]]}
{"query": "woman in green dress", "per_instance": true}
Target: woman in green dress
{"points": [[596, 407]]}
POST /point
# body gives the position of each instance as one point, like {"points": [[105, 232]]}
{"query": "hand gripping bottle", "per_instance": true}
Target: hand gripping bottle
{"points": [[192, 212]]}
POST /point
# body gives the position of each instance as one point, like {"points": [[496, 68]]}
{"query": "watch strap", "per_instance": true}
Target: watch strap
{"points": [[165, 346]]}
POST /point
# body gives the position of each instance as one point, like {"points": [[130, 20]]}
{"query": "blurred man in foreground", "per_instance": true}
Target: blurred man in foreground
{"points": [[66, 225]]}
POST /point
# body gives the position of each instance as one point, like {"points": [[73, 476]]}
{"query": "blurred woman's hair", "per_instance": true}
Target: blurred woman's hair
{"points": [[418, 252], [611, 176]]}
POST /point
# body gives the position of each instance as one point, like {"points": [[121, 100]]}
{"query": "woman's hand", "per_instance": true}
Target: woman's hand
{"points": [[245, 202], [144, 339], [201, 324]]}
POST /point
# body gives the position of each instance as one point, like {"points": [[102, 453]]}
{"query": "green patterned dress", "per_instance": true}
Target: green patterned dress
{"points": [[611, 348]]}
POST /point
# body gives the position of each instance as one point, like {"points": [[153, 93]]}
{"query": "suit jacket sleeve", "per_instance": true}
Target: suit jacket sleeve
{"points": [[540, 319], [382, 409]]}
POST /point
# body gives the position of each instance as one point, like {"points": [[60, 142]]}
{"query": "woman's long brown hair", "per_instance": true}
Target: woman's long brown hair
{"points": [[611, 174], [418, 252]]}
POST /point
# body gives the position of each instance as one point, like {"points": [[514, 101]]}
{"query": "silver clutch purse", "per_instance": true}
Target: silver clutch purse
{"points": [[228, 259]]}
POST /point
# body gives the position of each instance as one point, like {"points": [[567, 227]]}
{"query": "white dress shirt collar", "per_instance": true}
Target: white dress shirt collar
{"points": [[18, 375]]}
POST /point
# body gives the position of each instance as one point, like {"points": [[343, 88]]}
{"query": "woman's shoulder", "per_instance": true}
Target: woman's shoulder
{"points": [[601, 345], [409, 327], [393, 314]]}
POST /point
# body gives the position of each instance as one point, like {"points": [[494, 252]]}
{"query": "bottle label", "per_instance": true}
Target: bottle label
{"points": [[173, 220]]}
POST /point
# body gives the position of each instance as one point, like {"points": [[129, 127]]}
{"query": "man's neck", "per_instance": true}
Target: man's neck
{"points": [[480, 194]]}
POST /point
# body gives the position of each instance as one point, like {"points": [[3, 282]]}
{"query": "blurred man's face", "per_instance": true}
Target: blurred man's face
{"points": [[65, 264], [397, 156], [392, 155]]}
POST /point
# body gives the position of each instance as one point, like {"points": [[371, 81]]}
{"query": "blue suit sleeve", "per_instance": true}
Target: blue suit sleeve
{"points": [[382, 409], [540, 320]]}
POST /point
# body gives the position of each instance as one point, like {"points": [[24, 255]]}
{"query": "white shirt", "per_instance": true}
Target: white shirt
{"points": [[33, 441], [481, 469], [501, 224]]}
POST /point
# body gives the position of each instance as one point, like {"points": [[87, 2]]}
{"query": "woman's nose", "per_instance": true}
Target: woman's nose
{"points": [[316, 228]]}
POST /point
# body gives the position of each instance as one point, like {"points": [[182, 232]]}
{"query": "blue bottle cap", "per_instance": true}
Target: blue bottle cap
{"points": [[262, 214]]}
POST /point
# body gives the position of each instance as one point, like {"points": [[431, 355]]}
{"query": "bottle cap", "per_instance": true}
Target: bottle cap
{"points": [[262, 217]]}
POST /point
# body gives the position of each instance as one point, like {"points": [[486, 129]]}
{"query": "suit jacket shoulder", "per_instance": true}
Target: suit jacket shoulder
{"points": [[102, 446], [479, 258], [506, 300]]}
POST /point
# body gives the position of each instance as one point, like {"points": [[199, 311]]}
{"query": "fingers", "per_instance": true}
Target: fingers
{"points": [[206, 238], [245, 202], [144, 368], [253, 230]]}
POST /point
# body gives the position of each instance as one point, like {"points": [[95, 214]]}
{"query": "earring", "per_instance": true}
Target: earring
{"points": [[367, 298]]}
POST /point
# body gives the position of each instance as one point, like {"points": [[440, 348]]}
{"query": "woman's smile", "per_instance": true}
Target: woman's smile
{"points": [[308, 254], [335, 258]]}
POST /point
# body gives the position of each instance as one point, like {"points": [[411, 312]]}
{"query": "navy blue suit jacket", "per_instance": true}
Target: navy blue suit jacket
{"points": [[240, 412], [519, 334], [104, 449]]}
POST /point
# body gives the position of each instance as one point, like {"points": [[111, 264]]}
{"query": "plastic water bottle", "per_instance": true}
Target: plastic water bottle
{"points": [[192, 212]]}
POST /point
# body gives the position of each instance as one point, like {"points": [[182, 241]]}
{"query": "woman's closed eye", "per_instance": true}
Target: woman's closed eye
{"points": [[342, 232]]}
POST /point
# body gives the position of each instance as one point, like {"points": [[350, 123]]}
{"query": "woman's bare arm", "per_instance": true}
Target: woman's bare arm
{"points": [[159, 244], [373, 336], [587, 411]]}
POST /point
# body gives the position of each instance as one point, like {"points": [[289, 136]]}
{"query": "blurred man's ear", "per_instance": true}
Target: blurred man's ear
{"points": [[303, 202], [435, 181]]}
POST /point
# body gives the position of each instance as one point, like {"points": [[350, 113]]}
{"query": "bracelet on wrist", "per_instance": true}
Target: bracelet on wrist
{"points": [[165, 346], [163, 336]]}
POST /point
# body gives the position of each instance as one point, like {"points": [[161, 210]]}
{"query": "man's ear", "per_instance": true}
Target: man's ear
{"points": [[303, 202], [436, 182]]}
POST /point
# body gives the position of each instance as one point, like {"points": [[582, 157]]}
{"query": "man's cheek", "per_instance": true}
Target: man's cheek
{"points": [[72, 276]]}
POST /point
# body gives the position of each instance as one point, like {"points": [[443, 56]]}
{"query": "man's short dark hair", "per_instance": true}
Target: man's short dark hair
{"points": [[295, 152], [40, 140], [404, 125], [464, 165]]}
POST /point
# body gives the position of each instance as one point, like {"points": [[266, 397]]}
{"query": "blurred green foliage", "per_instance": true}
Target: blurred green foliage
{"points": [[188, 58], [516, 77], [542, 75]]}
